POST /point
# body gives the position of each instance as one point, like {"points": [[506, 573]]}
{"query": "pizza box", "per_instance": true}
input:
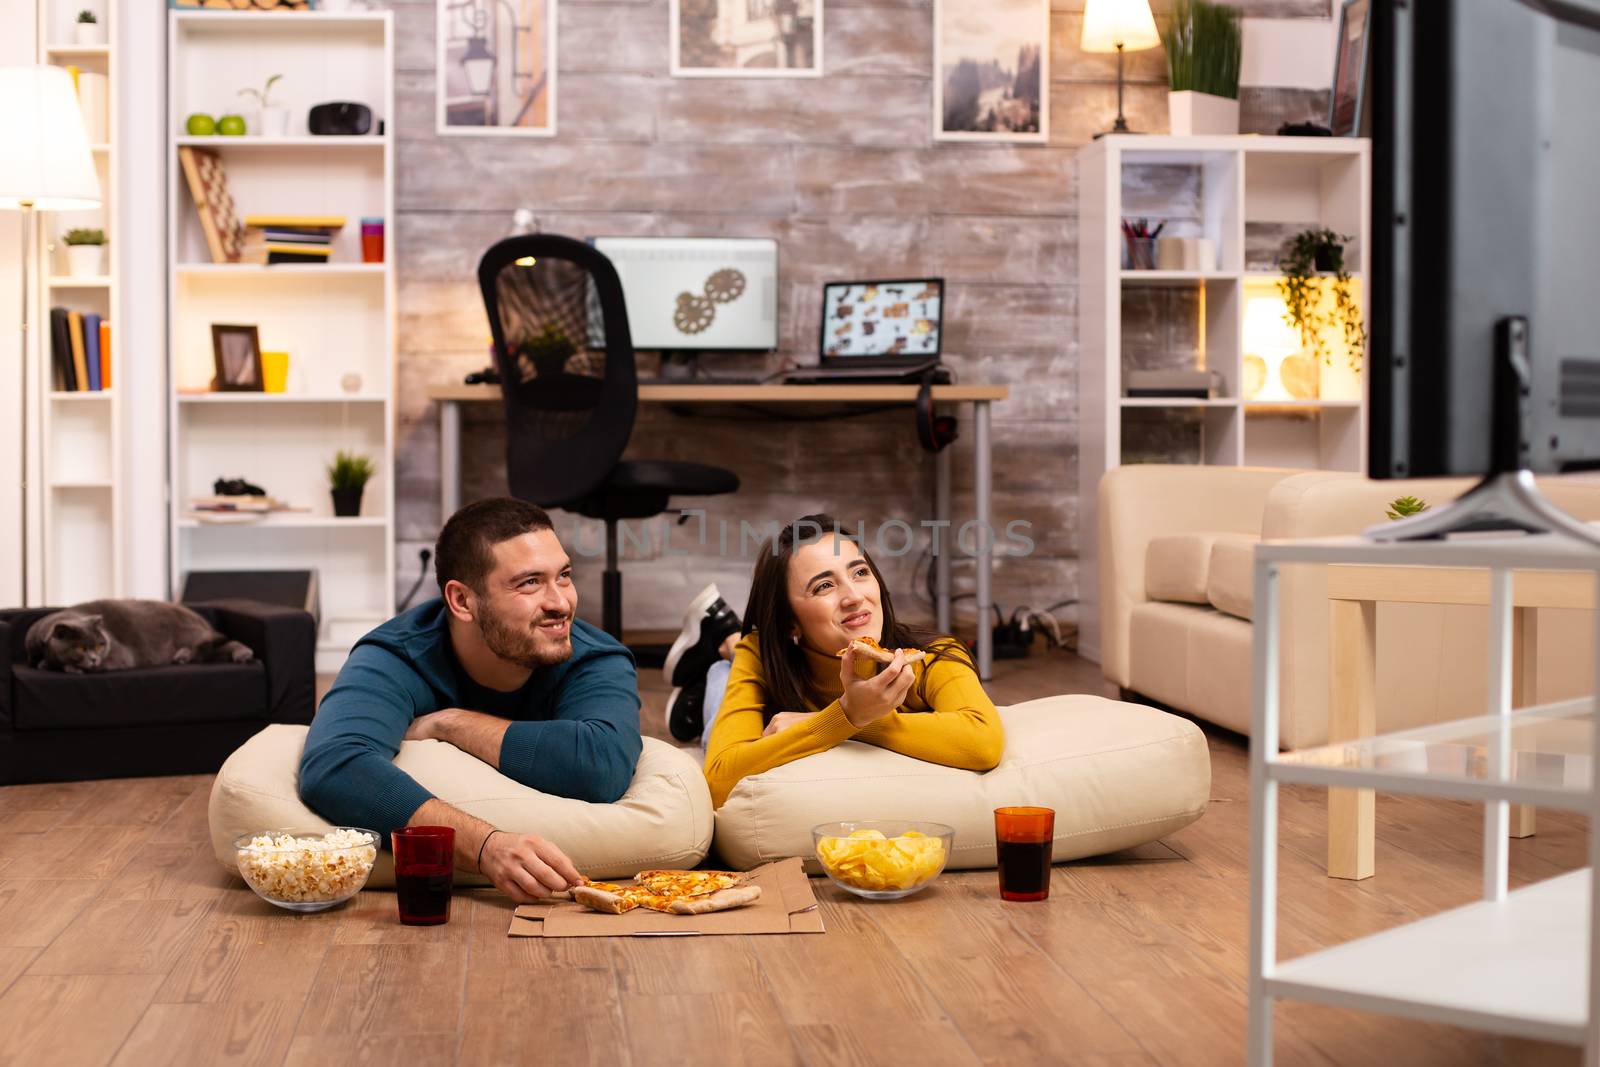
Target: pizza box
{"points": [[787, 906]]}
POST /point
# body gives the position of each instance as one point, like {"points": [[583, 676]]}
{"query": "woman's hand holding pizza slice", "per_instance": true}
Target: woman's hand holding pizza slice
{"points": [[866, 700]]}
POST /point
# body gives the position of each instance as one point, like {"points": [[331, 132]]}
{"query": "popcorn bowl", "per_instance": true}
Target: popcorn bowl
{"points": [[306, 870], [883, 859]]}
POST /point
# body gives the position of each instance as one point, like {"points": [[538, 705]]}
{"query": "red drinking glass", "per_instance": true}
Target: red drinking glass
{"points": [[1023, 839], [424, 871]]}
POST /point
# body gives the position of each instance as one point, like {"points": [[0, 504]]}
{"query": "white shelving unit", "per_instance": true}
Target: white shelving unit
{"points": [[1242, 194], [80, 527], [333, 319], [1523, 962]]}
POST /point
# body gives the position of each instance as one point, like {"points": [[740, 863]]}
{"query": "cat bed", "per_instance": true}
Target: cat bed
{"points": [[1117, 775], [664, 819]]}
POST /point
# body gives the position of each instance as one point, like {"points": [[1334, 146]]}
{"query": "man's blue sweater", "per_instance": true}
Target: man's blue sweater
{"points": [[574, 730]]}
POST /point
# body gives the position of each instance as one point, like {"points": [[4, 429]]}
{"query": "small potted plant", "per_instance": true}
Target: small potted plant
{"points": [[347, 477], [1204, 44], [88, 30], [1307, 256], [85, 252], [274, 121], [1405, 506]]}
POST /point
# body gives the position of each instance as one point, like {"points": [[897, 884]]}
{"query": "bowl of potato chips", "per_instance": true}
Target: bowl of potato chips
{"points": [[883, 859]]}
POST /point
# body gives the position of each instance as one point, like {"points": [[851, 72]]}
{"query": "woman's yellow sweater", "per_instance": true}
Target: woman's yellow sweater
{"points": [[956, 725]]}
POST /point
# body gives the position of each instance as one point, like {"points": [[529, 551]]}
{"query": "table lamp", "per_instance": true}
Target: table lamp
{"points": [[1118, 26], [46, 166]]}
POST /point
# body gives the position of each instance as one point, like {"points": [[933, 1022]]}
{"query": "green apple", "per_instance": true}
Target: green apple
{"points": [[201, 125], [231, 126]]}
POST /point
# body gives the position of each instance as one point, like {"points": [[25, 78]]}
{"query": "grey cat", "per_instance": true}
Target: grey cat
{"points": [[114, 635]]}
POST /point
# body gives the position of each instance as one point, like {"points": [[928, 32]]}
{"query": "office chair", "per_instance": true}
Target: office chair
{"points": [[565, 357]]}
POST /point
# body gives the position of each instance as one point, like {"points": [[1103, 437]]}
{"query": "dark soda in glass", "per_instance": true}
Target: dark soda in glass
{"points": [[1024, 870], [424, 873], [424, 892], [1023, 838]]}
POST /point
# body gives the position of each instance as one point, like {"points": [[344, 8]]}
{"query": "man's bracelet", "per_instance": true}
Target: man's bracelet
{"points": [[486, 837]]}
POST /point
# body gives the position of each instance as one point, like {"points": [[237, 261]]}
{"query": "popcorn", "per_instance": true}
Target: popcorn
{"points": [[308, 869]]}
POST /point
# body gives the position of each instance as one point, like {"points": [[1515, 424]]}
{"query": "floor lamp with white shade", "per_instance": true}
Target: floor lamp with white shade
{"points": [[45, 166]]}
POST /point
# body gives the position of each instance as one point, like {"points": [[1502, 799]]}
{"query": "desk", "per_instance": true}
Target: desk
{"points": [[1354, 593], [451, 397]]}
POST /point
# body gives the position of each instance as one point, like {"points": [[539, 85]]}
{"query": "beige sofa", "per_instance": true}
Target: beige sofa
{"points": [[1176, 547]]}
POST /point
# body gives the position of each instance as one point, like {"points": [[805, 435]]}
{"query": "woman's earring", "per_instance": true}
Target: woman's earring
{"points": [[795, 638]]}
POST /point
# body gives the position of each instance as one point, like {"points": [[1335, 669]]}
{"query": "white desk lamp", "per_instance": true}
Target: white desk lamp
{"points": [[45, 166], [1118, 26]]}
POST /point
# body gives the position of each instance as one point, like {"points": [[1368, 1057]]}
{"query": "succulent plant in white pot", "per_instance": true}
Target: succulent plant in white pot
{"points": [[1204, 44], [85, 252], [87, 30]]}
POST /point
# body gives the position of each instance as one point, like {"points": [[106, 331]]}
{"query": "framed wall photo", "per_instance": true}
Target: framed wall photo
{"points": [[496, 67], [746, 38], [991, 64], [1348, 107], [236, 350]]}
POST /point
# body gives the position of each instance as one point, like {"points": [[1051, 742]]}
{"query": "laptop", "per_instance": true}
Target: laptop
{"points": [[877, 331]]}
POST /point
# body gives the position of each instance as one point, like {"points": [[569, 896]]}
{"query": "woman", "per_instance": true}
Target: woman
{"points": [[788, 695]]}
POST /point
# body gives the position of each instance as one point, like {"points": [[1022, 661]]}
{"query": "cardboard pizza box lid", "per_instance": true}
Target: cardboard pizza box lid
{"points": [[787, 906]]}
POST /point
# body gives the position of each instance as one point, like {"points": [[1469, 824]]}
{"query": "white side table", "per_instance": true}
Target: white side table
{"points": [[1521, 963]]}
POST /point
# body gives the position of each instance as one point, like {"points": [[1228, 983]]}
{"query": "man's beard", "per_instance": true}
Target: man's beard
{"points": [[521, 644]]}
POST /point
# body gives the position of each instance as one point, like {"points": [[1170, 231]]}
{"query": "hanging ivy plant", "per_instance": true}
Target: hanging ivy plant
{"points": [[1306, 255]]}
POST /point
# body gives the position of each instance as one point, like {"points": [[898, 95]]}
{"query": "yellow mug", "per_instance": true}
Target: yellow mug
{"points": [[274, 371]]}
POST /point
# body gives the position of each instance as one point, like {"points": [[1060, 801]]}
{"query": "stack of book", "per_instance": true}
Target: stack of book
{"points": [[289, 238], [80, 351]]}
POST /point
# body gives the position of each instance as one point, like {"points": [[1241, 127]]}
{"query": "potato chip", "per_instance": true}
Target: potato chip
{"points": [[869, 860]]}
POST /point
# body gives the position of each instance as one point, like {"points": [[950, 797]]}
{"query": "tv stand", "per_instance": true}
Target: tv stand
{"points": [[682, 367], [1506, 501], [1507, 498]]}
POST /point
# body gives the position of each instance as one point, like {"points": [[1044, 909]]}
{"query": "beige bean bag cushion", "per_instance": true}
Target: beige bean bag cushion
{"points": [[664, 819], [1116, 774]]}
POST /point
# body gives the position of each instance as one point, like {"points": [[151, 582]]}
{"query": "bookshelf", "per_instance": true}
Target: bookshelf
{"points": [[1244, 195], [336, 320], [78, 433]]}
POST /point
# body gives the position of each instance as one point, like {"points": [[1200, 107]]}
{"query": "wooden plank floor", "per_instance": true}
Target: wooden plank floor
{"points": [[123, 942]]}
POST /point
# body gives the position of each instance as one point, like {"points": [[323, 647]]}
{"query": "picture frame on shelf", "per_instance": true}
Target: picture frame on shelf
{"points": [[236, 351], [1348, 107], [979, 46], [746, 38], [496, 67]]}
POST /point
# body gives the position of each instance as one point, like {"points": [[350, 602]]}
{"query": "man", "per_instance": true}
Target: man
{"points": [[500, 668]]}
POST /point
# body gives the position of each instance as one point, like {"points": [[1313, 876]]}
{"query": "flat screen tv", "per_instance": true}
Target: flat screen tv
{"points": [[1485, 309]]}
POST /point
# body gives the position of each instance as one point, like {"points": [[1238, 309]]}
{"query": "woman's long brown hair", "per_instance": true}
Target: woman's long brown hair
{"points": [[783, 663]]}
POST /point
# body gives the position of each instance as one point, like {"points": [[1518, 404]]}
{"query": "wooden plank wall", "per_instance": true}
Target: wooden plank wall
{"points": [[843, 172]]}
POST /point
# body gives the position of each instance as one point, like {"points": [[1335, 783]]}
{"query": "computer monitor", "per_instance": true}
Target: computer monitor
{"points": [[697, 294], [1485, 347], [882, 322]]}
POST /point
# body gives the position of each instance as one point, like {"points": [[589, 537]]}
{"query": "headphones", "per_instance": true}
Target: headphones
{"points": [[934, 432]]}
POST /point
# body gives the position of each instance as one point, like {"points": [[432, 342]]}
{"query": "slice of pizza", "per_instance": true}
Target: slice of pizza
{"points": [[672, 892], [618, 899], [866, 646], [688, 883]]}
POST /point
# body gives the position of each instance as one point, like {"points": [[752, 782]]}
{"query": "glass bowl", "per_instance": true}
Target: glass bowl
{"points": [[307, 870], [882, 859]]}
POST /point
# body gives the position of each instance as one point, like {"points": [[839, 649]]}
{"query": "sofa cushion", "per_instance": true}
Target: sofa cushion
{"points": [[1158, 650], [664, 819], [1116, 774], [1230, 580], [1175, 567], [207, 692]]}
